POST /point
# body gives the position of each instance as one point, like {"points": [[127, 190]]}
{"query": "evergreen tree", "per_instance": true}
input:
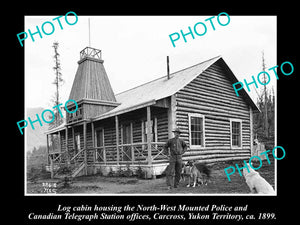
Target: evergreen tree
{"points": [[58, 81], [264, 120]]}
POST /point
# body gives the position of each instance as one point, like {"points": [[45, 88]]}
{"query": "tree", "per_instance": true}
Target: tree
{"points": [[58, 81], [264, 120]]}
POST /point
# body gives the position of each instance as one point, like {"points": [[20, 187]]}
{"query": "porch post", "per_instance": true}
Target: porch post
{"points": [[67, 150], [52, 168], [131, 141], [84, 147], [104, 150], [73, 138], [59, 141], [171, 116], [117, 139], [48, 160], [93, 142], [149, 135], [93, 134]]}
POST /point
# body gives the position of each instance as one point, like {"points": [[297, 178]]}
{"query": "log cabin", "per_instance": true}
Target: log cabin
{"points": [[111, 132]]}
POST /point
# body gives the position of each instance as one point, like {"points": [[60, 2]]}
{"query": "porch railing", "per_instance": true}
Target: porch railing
{"points": [[134, 153], [128, 153]]}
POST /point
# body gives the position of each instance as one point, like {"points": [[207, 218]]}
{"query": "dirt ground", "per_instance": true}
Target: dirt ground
{"points": [[218, 184]]}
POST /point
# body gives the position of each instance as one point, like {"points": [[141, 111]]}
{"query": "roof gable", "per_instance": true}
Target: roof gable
{"points": [[148, 93]]}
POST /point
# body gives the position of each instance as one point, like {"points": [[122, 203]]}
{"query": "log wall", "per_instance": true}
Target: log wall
{"points": [[211, 94]]}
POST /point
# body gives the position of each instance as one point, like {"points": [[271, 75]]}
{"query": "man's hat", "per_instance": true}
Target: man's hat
{"points": [[177, 130]]}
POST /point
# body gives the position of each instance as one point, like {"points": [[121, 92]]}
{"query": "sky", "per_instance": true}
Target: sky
{"points": [[134, 49]]}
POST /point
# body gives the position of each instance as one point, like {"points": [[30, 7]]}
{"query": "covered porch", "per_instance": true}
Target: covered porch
{"points": [[129, 141]]}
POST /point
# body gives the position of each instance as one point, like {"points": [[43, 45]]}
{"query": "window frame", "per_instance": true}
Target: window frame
{"points": [[241, 134], [190, 115]]}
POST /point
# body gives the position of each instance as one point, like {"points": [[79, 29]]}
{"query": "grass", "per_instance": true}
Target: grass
{"points": [[218, 183]]}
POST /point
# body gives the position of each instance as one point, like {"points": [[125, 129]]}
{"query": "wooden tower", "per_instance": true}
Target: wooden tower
{"points": [[91, 87]]}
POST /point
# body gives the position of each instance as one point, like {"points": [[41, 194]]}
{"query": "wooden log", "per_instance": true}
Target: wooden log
{"points": [[209, 152], [208, 85], [212, 103], [216, 157], [212, 94], [210, 113], [207, 88], [215, 160], [214, 108]]}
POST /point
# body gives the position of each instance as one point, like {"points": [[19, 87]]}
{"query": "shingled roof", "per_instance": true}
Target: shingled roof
{"points": [[148, 93], [91, 80]]}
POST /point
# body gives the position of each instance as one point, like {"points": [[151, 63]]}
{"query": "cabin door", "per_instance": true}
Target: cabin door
{"points": [[126, 141]]}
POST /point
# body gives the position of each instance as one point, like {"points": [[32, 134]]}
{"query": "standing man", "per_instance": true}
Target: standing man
{"points": [[177, 148]]}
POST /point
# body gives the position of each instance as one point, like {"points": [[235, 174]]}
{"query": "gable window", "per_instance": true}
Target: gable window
{"points": [[196, 130], [236, 133]]}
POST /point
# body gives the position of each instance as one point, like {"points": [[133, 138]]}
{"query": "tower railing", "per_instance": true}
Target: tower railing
{"points": [[91, 52]]}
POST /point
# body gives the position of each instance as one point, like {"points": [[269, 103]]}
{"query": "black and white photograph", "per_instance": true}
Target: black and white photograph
{"points": [[147, 117], [175, 117]]}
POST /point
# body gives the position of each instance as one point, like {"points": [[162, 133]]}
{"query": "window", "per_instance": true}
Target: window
{"points": [[196, 130], [76, 115], [236, 133]]}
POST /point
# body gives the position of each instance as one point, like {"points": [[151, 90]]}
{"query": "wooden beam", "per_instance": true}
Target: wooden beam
{"points": [[84, 147], [48, 160], [93, 141], [149, 135], [104, 150], [117, 139], [66, 132], [172, 116], [67, 149], [131, 141], [121, 136], [59, 141], [73, 137], [93, 134]]}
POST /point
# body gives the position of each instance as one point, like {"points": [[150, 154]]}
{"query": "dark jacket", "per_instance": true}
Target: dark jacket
{"points": [[176, 146]]}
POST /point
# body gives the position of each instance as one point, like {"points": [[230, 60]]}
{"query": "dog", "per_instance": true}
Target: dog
{"points": [[185, 171], [198, 173], [256, 183]]}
